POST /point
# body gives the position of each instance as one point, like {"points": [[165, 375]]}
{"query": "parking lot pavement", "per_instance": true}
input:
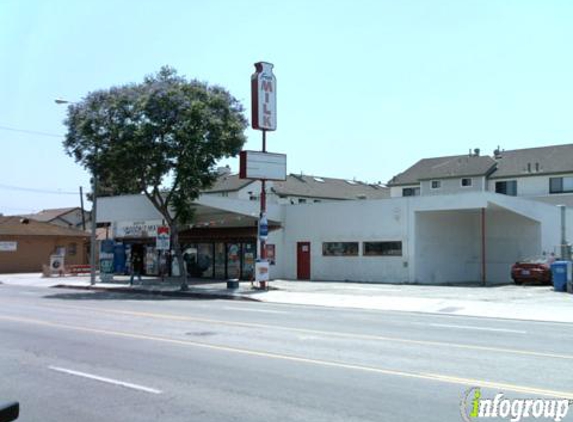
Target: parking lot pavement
{"points": [[538, 303]]}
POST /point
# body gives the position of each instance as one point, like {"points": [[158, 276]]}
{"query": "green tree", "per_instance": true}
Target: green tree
{"points": [[162, 137]]}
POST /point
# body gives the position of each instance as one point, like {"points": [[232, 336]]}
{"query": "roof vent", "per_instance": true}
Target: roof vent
{"points": [[24, 221], [497, 152], [319, 179], [476, 152], [351, 182]]}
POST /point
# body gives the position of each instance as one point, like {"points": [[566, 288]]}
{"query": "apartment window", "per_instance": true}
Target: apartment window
{"points": [[224, 194], [411, 192], [508, 187], [340, 248], [560, 184], [382, 248], [436, 184], [466, 181], [301, 201]]}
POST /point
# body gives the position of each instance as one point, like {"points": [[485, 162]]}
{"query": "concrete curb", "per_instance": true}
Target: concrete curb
{"points": [[156, 292]]}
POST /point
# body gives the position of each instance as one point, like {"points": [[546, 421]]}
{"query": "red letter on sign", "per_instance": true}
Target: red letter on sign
{"points": [[267, 86]]}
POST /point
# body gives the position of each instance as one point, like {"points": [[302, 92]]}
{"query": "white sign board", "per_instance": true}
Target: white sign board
{"points": [[262, 271], [162, 242], [262, 165], [8, 246], [145, 228], [264, 97], [163, 239]]}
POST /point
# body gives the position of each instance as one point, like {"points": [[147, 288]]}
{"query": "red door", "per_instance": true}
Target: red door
{"points": [[303, 260]]}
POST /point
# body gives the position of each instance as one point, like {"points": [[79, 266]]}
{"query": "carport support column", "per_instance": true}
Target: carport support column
{"points": [[483, 269]]}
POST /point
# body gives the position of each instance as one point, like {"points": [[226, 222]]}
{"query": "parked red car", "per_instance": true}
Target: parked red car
{"points": [[532, 270]]}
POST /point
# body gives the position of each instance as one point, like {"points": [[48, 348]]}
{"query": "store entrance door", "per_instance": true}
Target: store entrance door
{"points": [[303, 260]]}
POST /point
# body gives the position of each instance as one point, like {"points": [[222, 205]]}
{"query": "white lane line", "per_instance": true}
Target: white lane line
{"points": [[268, 311], [107, 380], [473, 327]]}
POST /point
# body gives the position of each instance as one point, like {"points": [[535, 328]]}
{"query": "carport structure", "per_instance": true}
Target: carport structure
{"points": [[475, 238]]}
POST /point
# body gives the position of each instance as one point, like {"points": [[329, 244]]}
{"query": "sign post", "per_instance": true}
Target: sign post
{"points": [[264, 117]]}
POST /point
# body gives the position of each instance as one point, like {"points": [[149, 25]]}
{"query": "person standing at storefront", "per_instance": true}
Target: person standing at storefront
{"points": [[136, 267]]}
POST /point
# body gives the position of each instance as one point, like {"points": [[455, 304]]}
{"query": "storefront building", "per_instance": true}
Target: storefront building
{"points": [[452, 239]]}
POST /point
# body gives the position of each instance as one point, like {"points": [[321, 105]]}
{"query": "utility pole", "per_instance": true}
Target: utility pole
{"points": [[82, 208]]}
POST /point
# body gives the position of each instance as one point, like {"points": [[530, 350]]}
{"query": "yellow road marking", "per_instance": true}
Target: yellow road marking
{"points": [[277, 356], [327, 333]]}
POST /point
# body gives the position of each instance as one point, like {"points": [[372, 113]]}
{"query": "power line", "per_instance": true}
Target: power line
{"points": [[33, 190], [30, 132]]}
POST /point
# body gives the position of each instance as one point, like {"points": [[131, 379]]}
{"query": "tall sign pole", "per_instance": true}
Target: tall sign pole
{"points": [[264, 118]]}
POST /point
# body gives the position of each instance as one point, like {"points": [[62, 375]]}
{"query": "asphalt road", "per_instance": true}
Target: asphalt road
{"points": [[70, 355]]}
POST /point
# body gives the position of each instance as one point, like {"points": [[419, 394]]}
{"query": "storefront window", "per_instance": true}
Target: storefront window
{"points": [[190, 259], [234, 260], [340, 249], [249, 256], [382, 249], [220, 255], [205, 259]]}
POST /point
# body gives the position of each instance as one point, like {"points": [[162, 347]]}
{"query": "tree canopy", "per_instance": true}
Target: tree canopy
{"points": [[162, 137]]}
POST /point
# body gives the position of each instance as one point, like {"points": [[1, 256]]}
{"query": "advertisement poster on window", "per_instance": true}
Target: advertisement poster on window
{"points": [[262, 271], [270, 250]]}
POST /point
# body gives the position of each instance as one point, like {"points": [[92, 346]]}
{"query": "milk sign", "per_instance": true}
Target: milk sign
{"points": [[264, 97]]}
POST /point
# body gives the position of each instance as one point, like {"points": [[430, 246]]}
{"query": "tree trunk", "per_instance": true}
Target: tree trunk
{"points": [[179, 255]]}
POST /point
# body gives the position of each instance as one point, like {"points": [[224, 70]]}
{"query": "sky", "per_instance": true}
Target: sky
{"points": [[364, 88]]}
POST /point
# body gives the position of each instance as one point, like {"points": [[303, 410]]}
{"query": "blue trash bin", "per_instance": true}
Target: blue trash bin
{"points": [[559, 275]]}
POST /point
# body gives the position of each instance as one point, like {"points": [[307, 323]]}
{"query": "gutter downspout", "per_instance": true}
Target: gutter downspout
{"points": [[483, 268], [564, 246]]}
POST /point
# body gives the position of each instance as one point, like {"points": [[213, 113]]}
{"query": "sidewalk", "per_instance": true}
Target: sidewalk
{"points": [[538, 303]]}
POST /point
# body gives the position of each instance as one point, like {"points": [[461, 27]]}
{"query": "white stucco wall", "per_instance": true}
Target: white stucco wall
{"points": [[448, 247], [396, 191], [528, 186], [509, 238], [381, 220], [453, 185]]}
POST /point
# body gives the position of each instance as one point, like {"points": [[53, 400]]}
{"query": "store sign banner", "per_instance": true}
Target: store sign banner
{"points": [[144, 228], [8, 246]]}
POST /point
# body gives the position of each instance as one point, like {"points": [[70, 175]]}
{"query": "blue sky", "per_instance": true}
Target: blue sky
{"points": [[365, 88]]}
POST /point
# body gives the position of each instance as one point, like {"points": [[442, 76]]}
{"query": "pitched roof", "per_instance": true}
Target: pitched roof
{"points": [[308, 186], [328, 188], [229, 183], [445, 167], [553, 159], [50, 214], [21, 226]]}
